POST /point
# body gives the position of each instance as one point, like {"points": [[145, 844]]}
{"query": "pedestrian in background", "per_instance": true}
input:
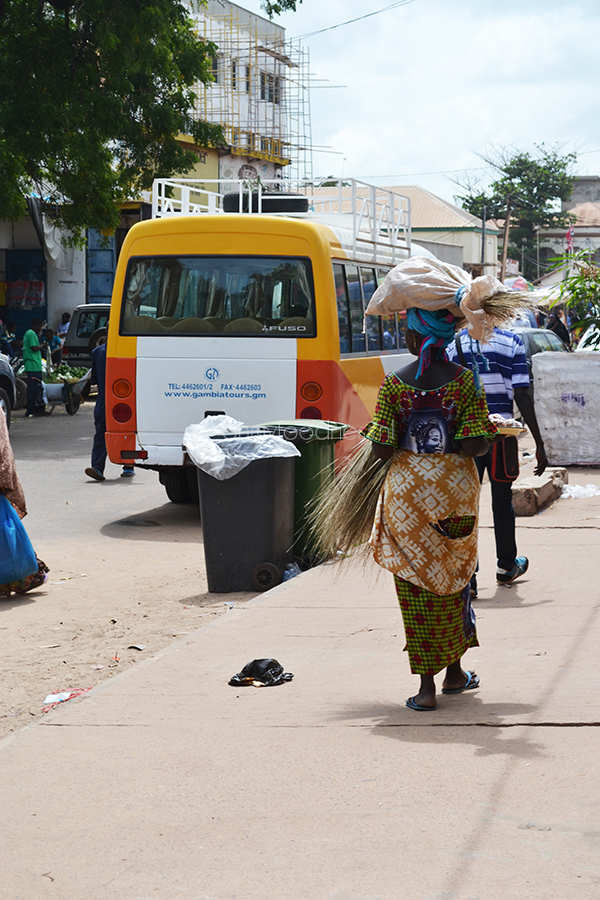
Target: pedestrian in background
{"points": [[556, 324], [98, 377], [502, 367], [65, 321], [54, 345], [32, 363]]}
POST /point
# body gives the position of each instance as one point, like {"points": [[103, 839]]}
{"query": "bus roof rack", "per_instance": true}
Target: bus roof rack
{"points": [[375, 217]]}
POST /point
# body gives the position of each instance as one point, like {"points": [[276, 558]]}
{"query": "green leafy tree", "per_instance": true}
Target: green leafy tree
{"points": [[527, 189], [93, 94], [580, 291], [279, 6]]}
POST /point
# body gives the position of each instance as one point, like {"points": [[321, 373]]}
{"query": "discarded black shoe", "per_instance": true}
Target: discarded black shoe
{"points": [[261, 672]]}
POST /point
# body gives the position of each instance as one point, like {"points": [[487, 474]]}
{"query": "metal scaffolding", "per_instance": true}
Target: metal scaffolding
{"points": [[260, 95]]}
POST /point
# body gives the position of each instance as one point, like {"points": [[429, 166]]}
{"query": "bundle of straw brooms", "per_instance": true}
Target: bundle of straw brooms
{"points": [[341, 517]]}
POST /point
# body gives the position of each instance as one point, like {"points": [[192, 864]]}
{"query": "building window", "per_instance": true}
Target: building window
{"points": [[234, 75], [270, 87], [248, 80]]}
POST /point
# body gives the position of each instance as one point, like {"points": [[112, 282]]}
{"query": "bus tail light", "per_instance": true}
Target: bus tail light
{"points": [[311, 391], [122, 388], [122, 412], [134, 454], [311, 412]]}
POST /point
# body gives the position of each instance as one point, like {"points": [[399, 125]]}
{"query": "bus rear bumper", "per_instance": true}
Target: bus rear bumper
{"points": [[126, 448]]}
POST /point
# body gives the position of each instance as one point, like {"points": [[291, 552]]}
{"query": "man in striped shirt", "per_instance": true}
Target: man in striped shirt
{"points": [[502, 365]]}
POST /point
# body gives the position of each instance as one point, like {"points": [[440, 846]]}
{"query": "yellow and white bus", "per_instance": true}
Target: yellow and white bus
{"points": [[258, 314]]}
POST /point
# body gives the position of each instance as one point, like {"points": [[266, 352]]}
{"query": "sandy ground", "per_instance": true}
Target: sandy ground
{"points": [[127, 568]]}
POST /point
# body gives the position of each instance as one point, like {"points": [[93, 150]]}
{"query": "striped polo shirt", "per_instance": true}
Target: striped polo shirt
{"points": [[508, 367]]}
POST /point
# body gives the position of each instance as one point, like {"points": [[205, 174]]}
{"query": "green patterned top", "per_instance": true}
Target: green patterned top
{"points": [[429, 421]]}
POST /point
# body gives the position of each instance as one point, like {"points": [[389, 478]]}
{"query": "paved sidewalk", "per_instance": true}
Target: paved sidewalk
{"points": [[168, 783]]}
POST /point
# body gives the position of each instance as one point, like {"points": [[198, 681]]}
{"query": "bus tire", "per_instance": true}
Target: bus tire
{"points": [[179, 485], [264, 576]]}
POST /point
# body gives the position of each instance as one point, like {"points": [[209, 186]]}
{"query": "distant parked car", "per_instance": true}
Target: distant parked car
{"points": [[8, 387], [539, 340], [89, 323]]}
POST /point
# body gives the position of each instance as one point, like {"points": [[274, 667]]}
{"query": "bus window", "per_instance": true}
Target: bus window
{"points": [[356, 309], [373, 323], [390, 332], [228, 295], [341, 296]]}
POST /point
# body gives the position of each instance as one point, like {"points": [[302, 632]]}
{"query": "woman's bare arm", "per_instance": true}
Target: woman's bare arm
{"points": [[474, 446], [382, 451]]}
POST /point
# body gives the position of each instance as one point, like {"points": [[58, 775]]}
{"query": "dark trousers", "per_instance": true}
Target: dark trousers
{"points": [[503, 512], [99, 445], [34, 393]]}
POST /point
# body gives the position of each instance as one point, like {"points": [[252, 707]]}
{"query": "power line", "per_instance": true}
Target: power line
{"points": [[442, 172], [359, 19]]}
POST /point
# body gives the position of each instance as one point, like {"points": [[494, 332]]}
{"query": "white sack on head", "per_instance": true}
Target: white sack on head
{"points": [[430, 284]]}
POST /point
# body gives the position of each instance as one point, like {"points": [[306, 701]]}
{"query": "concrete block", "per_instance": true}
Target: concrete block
{"points": [[534, 493]]}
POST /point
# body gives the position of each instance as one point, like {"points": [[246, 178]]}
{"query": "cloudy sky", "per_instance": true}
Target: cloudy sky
{"points": [[432, 83]]}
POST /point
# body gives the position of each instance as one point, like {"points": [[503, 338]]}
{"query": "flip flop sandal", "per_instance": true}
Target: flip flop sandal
{"points": [[412, 704], [470, 684]]}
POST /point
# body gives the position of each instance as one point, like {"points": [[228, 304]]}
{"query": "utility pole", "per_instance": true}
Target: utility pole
{"points": [[483, 218], [506, 233]]}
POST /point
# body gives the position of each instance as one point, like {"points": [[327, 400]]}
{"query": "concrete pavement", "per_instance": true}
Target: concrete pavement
{"points": [[165, 782]]}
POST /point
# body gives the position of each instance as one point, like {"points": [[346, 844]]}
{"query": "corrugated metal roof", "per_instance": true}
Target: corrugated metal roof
{"points": [[430, 211], [587, 214]]}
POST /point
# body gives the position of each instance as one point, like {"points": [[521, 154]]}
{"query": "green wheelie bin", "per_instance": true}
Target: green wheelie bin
{"points": [[315, 467]]}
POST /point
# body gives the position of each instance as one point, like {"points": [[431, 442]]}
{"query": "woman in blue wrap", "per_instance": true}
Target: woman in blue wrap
{"points": [[431, 420]]}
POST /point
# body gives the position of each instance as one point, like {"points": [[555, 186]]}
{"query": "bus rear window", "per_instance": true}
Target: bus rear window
{"points": [[228, 295]]}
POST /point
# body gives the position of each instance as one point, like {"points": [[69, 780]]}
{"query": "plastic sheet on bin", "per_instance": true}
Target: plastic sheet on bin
{"points": [[221, 447]]}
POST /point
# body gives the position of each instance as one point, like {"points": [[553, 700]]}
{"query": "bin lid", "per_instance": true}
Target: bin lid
{"points": [[304, 430]]}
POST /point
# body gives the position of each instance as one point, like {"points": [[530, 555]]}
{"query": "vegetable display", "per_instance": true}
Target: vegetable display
{"points": [[70, 374]]}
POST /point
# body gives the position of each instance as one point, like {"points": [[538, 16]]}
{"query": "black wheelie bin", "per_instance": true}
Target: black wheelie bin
{"points": [[248, 522]]}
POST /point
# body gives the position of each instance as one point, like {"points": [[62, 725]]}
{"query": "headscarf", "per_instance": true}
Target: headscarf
{"points": [[10, 485], [438, 326]]}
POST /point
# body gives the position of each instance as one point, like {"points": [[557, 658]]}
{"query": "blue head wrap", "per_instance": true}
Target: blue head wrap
{"points": [[438, 327]]}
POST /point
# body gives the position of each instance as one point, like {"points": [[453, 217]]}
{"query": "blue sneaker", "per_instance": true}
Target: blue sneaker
{"points": [[507, 576], [127, 472]]}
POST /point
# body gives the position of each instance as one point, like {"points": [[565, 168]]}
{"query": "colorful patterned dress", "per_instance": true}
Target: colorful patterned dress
{"points": [[425, 528]]}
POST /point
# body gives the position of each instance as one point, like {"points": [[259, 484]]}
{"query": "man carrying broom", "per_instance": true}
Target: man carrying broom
{"points": [[417, 488]]}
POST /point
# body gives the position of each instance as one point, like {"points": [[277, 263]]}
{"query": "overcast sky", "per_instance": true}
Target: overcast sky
{"points": [[434, 82]]}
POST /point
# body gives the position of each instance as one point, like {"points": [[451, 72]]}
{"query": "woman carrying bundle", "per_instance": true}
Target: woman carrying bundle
{"points": [[431, 421]]}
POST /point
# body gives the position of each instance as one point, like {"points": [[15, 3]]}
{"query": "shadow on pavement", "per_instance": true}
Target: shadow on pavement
{"points": [[485, 729], [219, 600], [506, 596], [168, 523], [15, 601]]}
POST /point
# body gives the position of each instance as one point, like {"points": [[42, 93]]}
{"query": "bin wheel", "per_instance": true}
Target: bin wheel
{"points": [[264, 576]]}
